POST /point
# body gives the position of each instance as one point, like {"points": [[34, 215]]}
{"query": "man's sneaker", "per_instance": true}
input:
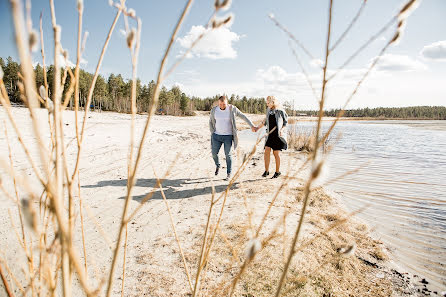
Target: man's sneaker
{"points": [[228, 177], [276, 174], [216, 170], [265, 174]]}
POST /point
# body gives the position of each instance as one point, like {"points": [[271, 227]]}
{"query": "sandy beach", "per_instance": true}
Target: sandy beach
{"points": [[153, 261]]}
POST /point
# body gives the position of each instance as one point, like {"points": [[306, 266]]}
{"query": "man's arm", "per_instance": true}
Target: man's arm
{"points": [[243, 117], [211, 121]]}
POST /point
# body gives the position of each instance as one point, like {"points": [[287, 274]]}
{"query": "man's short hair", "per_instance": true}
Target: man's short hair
{"points": [[223, 98]]}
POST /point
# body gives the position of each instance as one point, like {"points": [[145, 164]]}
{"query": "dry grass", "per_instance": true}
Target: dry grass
{"points": [[292, 121], [300, 140], [317, 270]]}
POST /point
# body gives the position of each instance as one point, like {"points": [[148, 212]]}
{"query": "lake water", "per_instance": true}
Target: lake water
{"points": [[403, 179]]}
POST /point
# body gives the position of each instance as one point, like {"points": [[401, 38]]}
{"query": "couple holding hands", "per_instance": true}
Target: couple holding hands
{"points": [[224, 132]]}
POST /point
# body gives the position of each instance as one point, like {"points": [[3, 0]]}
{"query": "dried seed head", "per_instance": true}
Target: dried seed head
{"points": [[271, 15], [319, 170], [32, 40], [253, 247], [131, 12], [29, 214], [50, 105], [214, 24], [316, 169], [226, 4], [408, 8], [229, 19], [84, 40], [131, 37], [399, 32], [396, 38], [1, 72], [110, 2], [80, 5], [405, 11], [65, 54], [347, 251], [42, 92]]}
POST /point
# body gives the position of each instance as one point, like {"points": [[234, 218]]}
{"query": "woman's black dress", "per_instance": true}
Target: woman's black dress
{"points": [[273, 141]]}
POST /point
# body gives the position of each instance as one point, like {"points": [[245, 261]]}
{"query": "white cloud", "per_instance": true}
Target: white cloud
{"points": [[317, 63], [273, 80], [276, 75], [62, 63], [435, 51], [412, 86], [216, 44], [398, 63], [189, 55]]}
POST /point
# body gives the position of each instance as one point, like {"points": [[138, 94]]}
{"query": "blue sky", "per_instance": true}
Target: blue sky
{"points": [[252, 56]]}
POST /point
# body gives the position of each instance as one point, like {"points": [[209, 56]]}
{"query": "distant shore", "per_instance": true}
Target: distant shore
{"points": [[363, 119]]}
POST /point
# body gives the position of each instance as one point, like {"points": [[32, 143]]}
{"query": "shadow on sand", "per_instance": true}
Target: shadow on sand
{"points": [[173, 188]]}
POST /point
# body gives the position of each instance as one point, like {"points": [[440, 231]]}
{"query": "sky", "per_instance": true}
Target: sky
{"points": [[252, 57]]}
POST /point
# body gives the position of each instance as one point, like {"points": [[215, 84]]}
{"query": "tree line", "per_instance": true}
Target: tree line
{"points": [[110, 94], [412, 112], [245, 104], [113, 94]]}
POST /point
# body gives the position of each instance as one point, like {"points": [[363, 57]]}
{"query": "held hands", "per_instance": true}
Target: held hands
{"points": [[255, 128]]}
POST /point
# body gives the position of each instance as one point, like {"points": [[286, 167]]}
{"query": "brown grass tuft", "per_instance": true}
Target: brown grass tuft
{"points": [[301, 141]]}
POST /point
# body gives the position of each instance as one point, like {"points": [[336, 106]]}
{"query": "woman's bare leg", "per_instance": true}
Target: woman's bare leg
{"points": [[277, 157], [266, 157]]}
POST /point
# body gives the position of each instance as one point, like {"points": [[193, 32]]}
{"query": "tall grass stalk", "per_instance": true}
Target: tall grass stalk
{"points": [[316, 164], [176, 235], [131, 180], [5, 282]]}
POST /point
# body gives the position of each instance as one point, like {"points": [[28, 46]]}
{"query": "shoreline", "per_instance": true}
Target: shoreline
{"points": [[365, 119], [417, 284], [154, 264]]}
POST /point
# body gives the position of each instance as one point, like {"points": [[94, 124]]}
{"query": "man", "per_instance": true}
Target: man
{"points": [[224, 131]]}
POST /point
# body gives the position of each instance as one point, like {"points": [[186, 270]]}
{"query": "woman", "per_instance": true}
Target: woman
{"points": [[276, 120]]}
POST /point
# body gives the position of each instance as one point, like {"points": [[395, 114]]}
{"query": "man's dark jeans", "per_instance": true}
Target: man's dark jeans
{"points": [[216, 142]]}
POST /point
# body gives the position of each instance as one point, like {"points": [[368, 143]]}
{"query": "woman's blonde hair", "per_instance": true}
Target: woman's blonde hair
{"points": [[274, 101]]}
